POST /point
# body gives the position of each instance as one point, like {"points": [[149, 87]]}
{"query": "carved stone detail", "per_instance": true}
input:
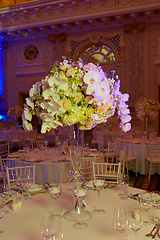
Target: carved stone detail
{"points": [[134, 71], [94, 38]]}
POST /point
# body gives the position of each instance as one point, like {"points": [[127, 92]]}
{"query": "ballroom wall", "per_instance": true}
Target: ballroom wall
{"points": [[139, 52]]}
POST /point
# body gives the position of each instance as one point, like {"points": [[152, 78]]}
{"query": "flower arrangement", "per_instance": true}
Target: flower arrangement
{"points": [[72, 93], [147, 107], [111, 124], [15, 111]]}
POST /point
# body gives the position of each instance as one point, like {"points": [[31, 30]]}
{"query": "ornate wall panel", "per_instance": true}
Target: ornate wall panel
{"points": [[133, 64]]}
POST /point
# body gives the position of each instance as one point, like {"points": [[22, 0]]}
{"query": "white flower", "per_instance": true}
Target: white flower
{"points": [[76, 93], [30, 103], [35, 89]]}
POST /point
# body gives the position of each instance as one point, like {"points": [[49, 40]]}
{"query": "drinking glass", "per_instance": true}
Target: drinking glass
{"points": [[98, 185], [123, 181], [80, 195], [135, 221], [55, 191], [146, 204], [50, 229], [120, 219], [2, 209], [156, 208], [27, 185]]}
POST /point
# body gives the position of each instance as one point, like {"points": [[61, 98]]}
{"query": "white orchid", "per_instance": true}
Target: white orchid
{"points": [[76, 93]]}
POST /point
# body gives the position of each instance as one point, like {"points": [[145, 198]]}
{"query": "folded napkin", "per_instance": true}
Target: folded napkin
{"points": [[34, 188]]}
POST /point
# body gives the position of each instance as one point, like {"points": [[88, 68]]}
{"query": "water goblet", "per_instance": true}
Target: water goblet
{"points": [[55, 191], [27, 185], [2, 209], [98, 184], [135, 221], [120, 219], [80, 195], [146, 204], [50, 229], [123, 181]]}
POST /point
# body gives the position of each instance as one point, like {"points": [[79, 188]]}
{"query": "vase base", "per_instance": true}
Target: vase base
{"points": [[73, 215]]}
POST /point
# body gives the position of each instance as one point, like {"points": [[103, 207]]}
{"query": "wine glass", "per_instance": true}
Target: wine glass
{"points": [[156, 208], [135, 221], [2, 209], [123, 180], [80, 195], [27, 185], [98, 184], [50, 229], [146, 204], [55, 191], [120, 219]]}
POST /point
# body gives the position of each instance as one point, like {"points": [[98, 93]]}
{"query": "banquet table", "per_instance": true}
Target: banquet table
{"points": [[50, 165], [140, 151], [24, 224], [22, 135]]}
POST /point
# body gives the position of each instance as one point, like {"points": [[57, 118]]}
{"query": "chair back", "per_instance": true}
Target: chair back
{"points": [[100, 139], [111, 152], [108, 171], [87, 169], [16, 173], [3, 169], [4, 150]]}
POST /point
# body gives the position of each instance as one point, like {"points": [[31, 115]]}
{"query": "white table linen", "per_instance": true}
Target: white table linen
{"points": [[24, 224], [53, 168]]}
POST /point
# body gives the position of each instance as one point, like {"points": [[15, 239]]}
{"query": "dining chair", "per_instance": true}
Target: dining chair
{"points": [[87, 169], [3, 170], [4, 149], [130, 161], [15, 139], [111, 152], [15, 174], [101, 144], [152, 161], [107, 171], [4, 163]]}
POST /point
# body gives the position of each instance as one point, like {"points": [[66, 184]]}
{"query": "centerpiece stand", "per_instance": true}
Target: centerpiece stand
{"points": [[76, 143]]}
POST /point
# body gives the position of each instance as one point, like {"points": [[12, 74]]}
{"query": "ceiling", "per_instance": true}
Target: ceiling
{"points": [[44, 17]]}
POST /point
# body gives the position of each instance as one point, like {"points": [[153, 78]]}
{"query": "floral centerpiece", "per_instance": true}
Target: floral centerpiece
{"points": [[147, 107], [15, 111], [74, 92]]}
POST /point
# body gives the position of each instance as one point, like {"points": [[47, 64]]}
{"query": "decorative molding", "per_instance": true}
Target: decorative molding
{"points": [[131, 26], [73, 15], [61, 36], [94, 38]]}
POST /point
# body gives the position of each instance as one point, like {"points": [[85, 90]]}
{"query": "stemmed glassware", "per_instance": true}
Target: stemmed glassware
{"points": [[145, 203], [135, 221], [28, 182], [123, 180], [80, 195], [120, 219], [2, 209], [98, 184], [55, 191], [50, 229]]}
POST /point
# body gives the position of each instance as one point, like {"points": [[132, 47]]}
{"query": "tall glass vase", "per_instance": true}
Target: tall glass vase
{"points": [[76, 143], [146, 125]]}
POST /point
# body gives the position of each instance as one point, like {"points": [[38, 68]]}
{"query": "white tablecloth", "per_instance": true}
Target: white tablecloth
{"points": [[140, 151], [22, 135], [53, 167], [24, 224]]}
